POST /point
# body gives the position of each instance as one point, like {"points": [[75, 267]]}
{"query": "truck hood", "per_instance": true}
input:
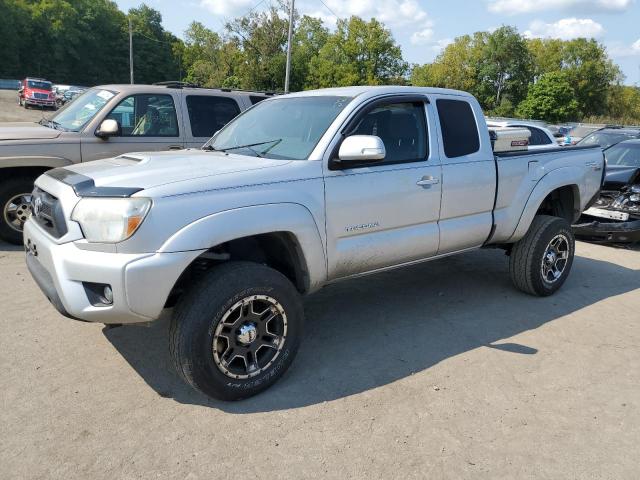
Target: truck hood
{"points": [[26, 131], [618, 176], [147, 170]]}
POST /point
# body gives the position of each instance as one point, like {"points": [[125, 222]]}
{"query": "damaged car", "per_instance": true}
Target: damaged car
{"points": [[615, 216]]}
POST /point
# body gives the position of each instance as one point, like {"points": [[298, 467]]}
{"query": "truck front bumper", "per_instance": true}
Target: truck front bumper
{"points": [[67, 275], [40, 102], [609, 231]]}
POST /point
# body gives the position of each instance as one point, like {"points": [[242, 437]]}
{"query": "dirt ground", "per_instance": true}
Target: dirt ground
{"points": [[441, 370], [11, 112]]}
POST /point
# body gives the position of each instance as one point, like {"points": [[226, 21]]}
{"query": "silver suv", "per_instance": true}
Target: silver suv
{"points": [[107, 121]]}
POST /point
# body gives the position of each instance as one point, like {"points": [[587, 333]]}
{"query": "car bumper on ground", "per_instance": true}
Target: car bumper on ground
{"points": [[608, 231], [69, 276]]}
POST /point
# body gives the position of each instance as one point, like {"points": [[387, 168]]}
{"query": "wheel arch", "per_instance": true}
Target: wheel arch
{"points": [[557, 194], [38, 162], [282, 236]]}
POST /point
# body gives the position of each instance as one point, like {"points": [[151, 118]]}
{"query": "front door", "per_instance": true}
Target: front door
{"points": [[386, 213], [147, 122]]}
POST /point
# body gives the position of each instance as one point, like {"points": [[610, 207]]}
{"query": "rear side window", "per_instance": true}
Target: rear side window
{"points": [[538, 137], [256, 98], [459, 129], [209, 114]]}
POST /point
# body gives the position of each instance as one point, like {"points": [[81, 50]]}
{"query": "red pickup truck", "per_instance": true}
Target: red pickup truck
{"points": [[36, 91]]}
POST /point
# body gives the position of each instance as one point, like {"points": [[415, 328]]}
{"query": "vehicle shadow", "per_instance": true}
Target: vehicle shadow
{"points": [[368, 332], [8, 247]]}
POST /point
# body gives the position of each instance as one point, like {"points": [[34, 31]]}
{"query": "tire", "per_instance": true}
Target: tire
{"points": [[10, 189], [540, 262], [203, 331]]}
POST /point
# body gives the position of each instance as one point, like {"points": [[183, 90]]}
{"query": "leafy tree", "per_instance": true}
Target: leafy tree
{"points": [[590, 71], [551, 98], [262, 38], [505, 68], [623, 105], [496, 67], [309, 38], [456, 67], [358, 53], [153, 58]]}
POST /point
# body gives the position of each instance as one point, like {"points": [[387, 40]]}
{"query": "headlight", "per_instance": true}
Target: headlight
{"points": [[110, 220]]}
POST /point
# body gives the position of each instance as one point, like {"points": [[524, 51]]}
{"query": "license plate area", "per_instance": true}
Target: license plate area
{"points": [[602, 213]]}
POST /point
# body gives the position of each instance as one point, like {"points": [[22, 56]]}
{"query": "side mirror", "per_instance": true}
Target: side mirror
{"points": [[108, 128], [361, 148]]}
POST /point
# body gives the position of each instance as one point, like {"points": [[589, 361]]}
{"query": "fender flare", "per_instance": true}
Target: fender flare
{"points": [[221, 227], [34, 161], [561, 177]]}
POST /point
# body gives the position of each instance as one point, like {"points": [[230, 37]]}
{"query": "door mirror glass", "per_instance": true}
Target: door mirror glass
{"points": [[359, 148], [108, 128]]}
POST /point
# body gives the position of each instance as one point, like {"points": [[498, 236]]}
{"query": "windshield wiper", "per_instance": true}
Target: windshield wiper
{"points": [[45, 122], [248, 145]]}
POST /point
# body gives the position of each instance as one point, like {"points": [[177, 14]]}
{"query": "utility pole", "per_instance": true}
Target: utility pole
{"points": [[288, 68], [130, 51]]}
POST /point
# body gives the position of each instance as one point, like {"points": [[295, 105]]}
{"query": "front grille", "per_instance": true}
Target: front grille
{"points": [[46, 211], [40, 96]]}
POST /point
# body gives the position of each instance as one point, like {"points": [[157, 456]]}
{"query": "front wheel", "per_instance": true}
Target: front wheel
{"points": [[15, 202], [236, 332], [540, 262]]}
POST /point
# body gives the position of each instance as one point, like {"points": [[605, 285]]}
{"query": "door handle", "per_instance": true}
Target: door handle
{"points": [[427, 181], [175, 147]]}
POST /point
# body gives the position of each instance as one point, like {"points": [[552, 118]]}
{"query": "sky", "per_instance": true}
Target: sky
{"points": [[424, 27]]}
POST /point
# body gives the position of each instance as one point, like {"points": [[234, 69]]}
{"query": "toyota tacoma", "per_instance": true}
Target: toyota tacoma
{"points": [[295, 193]]}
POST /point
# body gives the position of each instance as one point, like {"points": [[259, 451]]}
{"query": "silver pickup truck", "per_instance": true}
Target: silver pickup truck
{"points": [[296, 192], [104, 122]]}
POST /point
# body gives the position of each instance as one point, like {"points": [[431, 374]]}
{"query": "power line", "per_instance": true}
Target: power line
{"points": [[332, 12]]}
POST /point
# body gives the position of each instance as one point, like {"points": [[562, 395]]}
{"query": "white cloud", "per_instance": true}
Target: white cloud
{"points": [[393, 13], [513, 7], [618, 49], [565, 29], [440, 45], [422, 37], [227, 8]]}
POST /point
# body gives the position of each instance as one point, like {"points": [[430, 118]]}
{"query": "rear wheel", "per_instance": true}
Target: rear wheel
{"points": [[237, 331], [15, 202], [540, 262]]}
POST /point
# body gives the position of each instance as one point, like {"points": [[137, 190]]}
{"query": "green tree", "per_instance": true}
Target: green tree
{"points": [[505, 68], [623, 105], [456, 67], [262, 39], [551, 98], [309, 38], [153, 47], [358, 53], [587, 65]]}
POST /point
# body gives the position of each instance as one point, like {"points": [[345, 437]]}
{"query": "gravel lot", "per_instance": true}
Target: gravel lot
{"points": [[440, 370], [11, 112]]}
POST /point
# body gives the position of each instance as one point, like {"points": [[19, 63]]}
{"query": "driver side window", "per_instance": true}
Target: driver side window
{"points": [[146, 116], [401, 127]]}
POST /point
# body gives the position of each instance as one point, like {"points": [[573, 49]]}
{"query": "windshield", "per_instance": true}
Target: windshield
{"points": [[627, 155], [75, 115], [281, 128], [40, 85], [604, 139], [581, 132]]}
